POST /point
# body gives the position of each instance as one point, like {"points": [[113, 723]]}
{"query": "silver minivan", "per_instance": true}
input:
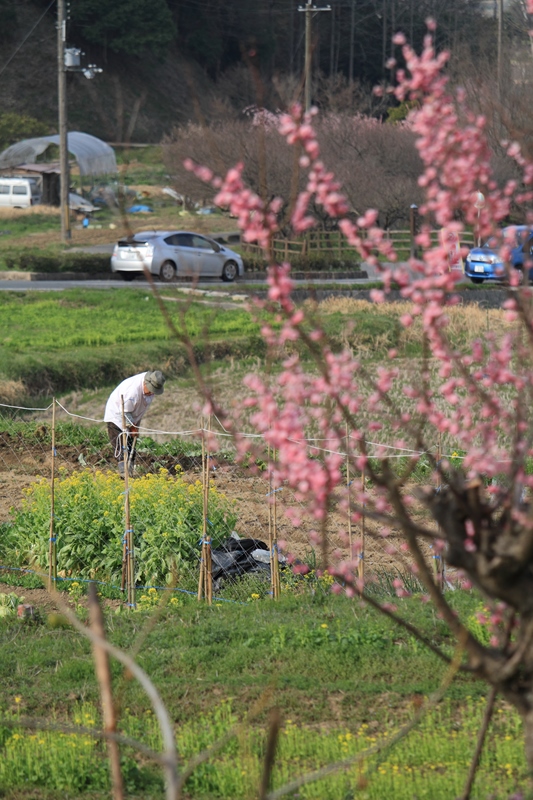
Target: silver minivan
{"points": [[19, 192], [170, 254]]}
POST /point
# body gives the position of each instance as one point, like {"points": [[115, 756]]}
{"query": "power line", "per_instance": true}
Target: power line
{"points": [[8, 62]]}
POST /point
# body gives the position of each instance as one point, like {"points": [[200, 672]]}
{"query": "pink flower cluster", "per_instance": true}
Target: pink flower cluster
{"points": [[324, 188], [312, 422], [285, 414], [257, 221]]}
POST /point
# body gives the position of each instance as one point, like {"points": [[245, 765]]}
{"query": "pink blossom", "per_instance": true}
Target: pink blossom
{"points": [[336, 416]]}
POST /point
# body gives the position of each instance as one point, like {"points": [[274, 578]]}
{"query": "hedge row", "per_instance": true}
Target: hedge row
{"points": [[308, 263], [37, 261], [97, 263]]}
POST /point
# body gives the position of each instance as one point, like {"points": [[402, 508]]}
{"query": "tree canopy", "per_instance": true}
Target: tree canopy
{"points": [[126, 26]]}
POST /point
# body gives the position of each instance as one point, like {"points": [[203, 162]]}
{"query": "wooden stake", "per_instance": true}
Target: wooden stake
{"points": [[128, 554], [361, 564], [205, 580], [103, 675], [350, 540], [52, 548]]}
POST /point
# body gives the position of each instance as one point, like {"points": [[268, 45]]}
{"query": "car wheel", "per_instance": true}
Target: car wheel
{"points": [[229, 273], [477, 280], [127, 276], [167, 271]]}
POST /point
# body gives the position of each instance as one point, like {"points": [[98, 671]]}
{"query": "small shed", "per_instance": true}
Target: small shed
{"points": [[94, 158], [47, 174]]}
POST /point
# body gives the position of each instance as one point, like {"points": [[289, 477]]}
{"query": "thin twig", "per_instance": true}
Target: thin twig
{"points": [[489, 708], [165, 724], [270, 754], [103, 675]]}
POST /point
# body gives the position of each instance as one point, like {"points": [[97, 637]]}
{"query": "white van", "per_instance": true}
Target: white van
{"points": [[19, 192]]}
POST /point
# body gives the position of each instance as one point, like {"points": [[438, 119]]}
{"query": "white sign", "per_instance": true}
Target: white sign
{"points": [[450, 240]]}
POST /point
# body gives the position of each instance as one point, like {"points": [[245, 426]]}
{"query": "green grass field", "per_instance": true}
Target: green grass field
{"points": [[76, 339], [344, 680], [89, 338]]}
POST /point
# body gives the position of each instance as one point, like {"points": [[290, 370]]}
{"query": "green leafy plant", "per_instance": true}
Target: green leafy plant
{"points": [[9, 604], [166, 515]]}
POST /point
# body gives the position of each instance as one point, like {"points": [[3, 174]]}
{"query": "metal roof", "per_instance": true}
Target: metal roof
{"points": [[94, 156], [45, 168]]}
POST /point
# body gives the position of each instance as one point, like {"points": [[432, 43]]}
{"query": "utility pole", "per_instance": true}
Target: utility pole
{"points": [[500, 46], [68, 60], [64, 178], [352, 34], [309, 9]]}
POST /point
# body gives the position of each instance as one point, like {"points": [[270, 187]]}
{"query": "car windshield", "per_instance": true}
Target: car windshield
{"points": [[495, 242]]}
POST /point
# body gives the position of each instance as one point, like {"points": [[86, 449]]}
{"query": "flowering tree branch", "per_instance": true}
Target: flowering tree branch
{"points": [[473, 396]]}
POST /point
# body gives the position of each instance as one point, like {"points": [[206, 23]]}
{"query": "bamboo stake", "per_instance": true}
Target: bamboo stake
{"points": [[208, 565], [201, 578], [274, 559], [361, 564], [52, 548], [438, 563], [128, 556], [123, 581], [205, 581], [273, 533], [350, 540], [103, 675], [124, 560], [270, 526]]}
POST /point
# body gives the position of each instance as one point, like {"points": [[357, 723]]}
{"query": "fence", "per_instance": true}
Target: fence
{"points": [[335, 244], [80, 521]]}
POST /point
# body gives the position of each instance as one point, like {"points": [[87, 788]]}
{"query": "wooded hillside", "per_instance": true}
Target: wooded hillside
{"points": [[167, 62]]}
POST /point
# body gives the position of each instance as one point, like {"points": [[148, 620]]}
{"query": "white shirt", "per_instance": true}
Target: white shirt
{"points": [[136, 403]]}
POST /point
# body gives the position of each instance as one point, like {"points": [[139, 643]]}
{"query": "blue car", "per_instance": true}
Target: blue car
{"points": [[485, 264]]}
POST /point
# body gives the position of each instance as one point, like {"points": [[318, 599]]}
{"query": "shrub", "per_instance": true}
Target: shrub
{"points": [[313, 262], [14, 127], [379, 162], [37, 261]]}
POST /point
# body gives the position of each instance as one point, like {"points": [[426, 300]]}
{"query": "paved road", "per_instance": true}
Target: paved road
{"points": [[141, 282]]}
